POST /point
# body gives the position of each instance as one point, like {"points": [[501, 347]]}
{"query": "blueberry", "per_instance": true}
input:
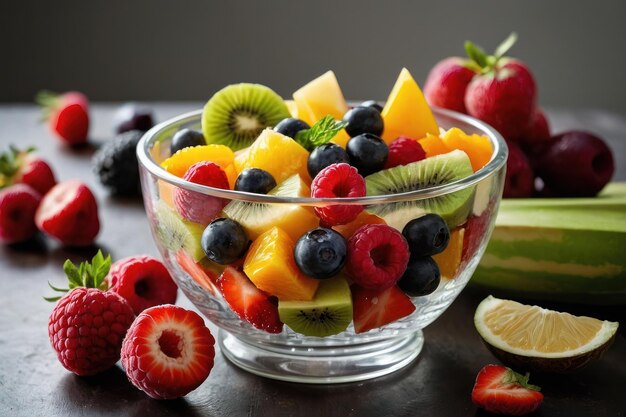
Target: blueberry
{"points": [[427, 235], [320, 253], [420, 278], [291, 126], [185, 138], [132, 117], [373, 104], [364, 120], [255, 180], [224, 241], [325, 155], [368, 153]]}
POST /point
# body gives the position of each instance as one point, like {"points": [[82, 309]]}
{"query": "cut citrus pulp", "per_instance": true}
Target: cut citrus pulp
{"points": [[536, 339]]}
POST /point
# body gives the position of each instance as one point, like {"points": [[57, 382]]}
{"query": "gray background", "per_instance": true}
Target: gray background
{"points": [[159, 50]]}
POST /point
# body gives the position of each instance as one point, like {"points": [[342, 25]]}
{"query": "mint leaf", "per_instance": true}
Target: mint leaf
{"points": [[320, 133]]}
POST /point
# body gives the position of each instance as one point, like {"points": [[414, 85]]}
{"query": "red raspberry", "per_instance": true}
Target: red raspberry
{"points": [[18, 204], [168, 352], [338, 180], [377, 256], [143, 281], [403, 151], [86, 329], [198, 207]]}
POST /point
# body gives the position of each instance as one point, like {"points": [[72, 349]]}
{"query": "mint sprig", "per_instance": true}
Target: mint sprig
{"points": [[320, 133], [86, 275]]}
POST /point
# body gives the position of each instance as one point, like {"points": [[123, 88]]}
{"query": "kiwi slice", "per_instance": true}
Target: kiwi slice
{"points": [[330, 312], [437, 170], [256, 218], [176, 234], [236, 115]]}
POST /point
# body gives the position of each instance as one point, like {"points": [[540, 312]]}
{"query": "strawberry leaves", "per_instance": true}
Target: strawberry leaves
{"points": [[85, 275], [483, 63], [512, 377], [10, 163]]}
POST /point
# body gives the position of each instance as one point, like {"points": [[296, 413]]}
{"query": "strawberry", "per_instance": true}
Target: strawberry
{"points": [[69, 213], [248, 302], [168, 352], [446, 83], [500, 390], [375, 308], [18, 204], [504, 92], [18, 166], [143, 281], [204, 277], [67, 114], [87, 325]]}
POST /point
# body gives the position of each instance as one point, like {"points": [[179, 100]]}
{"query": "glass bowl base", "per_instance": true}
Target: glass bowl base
{"points": [[322, 364]]}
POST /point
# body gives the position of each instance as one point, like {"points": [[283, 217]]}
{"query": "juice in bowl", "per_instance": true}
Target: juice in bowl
{"points": [[321, 248]]}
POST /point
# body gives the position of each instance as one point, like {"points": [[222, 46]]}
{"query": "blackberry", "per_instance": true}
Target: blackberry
{"points": [[116, 166]]}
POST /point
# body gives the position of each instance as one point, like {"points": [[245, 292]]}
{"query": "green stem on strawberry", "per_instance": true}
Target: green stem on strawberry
{"points": [[10, 163], [483, 63], [48, 100], [87, 275]]}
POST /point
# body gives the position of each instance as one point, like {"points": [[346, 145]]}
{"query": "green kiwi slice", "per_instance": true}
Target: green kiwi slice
{"points": [[329, 313], [236, 115], [176, 234], [437, 170]]}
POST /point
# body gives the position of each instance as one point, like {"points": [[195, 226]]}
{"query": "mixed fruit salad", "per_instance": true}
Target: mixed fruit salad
{"points": [[317, 269]]}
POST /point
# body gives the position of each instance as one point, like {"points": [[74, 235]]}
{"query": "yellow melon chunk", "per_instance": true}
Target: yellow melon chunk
{"points": [[277, 154], [406, 112], [270, 265], [319, 98]]}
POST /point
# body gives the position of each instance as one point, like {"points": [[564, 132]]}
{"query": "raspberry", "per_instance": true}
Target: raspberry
{"points": [[143, 281], [86, 329], [403, 151], [377, 256], [338, 180], [198, 207], [168, 352]]}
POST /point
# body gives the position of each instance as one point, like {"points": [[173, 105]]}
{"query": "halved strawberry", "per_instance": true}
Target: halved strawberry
{"points": [[204, 277], [375, 308], [168, 351], [69, 213], [248, 302], [501, 390]]}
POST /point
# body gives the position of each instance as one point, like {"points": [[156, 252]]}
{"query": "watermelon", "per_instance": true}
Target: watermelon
{"points": [[568, 250]]}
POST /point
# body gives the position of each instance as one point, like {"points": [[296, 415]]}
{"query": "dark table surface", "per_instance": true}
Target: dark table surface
{"points": [[438, 383]]}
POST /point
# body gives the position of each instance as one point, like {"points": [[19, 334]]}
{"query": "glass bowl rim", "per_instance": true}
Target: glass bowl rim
{"points": [[498, 159]]}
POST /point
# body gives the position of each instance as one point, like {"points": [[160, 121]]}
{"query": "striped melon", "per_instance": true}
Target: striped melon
{"points": [[571, 250]]}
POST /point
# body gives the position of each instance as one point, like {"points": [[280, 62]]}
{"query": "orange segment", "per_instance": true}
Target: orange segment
{"points": [[406, 112], [347, 230], [277, 154], [433, 145], [450, 259], [270, 265], [180, 162], [166, 193], [477, 147], [320, 97]]}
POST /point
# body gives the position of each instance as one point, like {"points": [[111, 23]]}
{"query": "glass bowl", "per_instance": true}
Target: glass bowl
{"points": [[347, 356]]}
